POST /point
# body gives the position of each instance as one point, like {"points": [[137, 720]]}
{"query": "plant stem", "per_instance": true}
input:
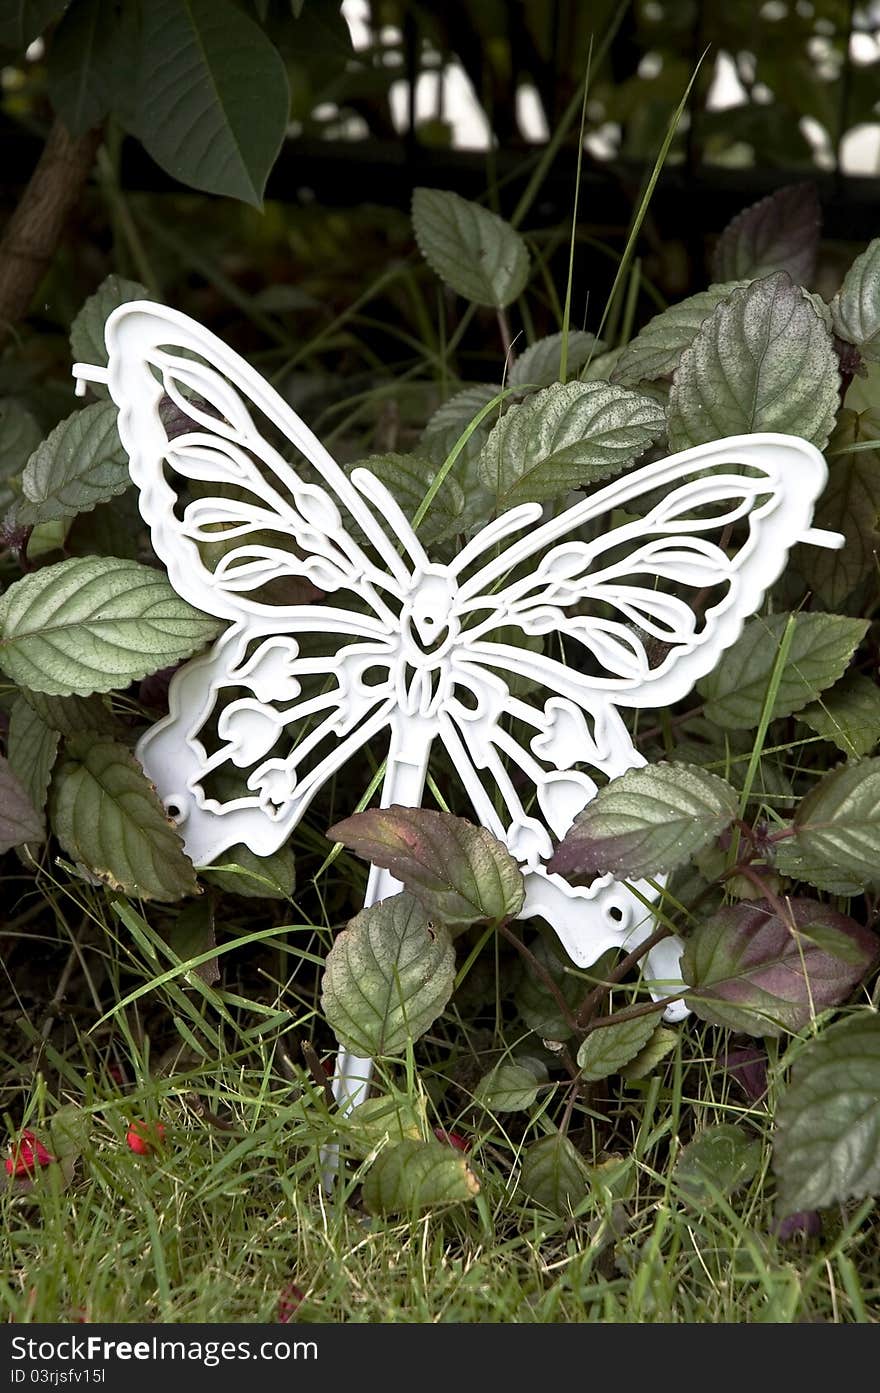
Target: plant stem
{"points": [[540, 970], [594, 999], [35, 229]]}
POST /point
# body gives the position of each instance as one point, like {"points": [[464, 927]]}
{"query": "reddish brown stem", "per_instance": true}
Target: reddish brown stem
{"points": [[593, 1001], [540, 971]]}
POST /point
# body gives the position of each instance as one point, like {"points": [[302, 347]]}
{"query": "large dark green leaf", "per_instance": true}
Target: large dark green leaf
{"points": [[22, 21], [213, 96], [82, 58], [827, 1145], [848, 715], [763, 361]]}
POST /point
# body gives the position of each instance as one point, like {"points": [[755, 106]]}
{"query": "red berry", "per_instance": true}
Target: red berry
{"points": [[27, 1156], [452, 1139], [144, 1137]]}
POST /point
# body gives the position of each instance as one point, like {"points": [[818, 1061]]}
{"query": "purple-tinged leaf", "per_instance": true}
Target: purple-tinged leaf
{"points": [[19, 820], [780, 233], [646, 822], [747, 1064], [753, 971], [460, 873], [804, 1223]]}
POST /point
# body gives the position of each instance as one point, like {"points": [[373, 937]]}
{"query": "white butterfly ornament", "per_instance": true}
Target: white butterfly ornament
{"points": [[515, 657]]}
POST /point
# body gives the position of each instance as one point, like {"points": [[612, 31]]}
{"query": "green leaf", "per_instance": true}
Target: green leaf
{"points": [[837, 830], [408, 477], [656, 351], [535, 1002], [19, 820], [22, 21], [717, 1163], [87, 344], [566, 437], [821, 647], [213, 97], [413, 1176], [849, 504], [606, 1050], [780, 233], [69, 1131], [662, 1042], [82, 57], [73, 715], [855, 309], [192, 934], [254, 877], [388, 977], [460, 873], [762, 361], [540, 364], [554, 1174], [390, 1117], [80, 464], [509, 1087], [827, 1144], [19, 437], [848, 715], [94, 623], [473, 251], [756, 972], [31, 747], [646, 822], [106, 814]]}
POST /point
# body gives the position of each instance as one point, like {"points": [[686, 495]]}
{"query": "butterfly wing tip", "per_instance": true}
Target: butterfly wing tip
{"points": [[819, 537]]}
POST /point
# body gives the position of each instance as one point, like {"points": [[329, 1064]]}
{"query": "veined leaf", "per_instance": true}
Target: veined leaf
{"points": [[661, 1043], [779, 233], [606, 1050], [459, 872], [19, 820], [821, 647], [31, 749], [80, 463], [214, 100], [656, 350], [837, 830], [509, 1087], [554, 1174], [848, 715], [22, 21], [107, 815], [81, 64], [90, 624], [827, 1146], [413, 1176], [388, 977], [762, 361], [87, 344], [539, 365], [719, 1161], [646, 822], [566, 437], [855, 309], [473, 251], [754, 971]]}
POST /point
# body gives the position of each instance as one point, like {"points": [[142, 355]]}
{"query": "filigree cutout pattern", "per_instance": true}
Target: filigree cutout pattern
{"points": [[513, 656]]}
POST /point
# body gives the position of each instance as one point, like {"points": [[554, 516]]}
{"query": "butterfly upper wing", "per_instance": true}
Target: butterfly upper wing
{"points": [[187, 406], [627, 602], [292, 688]]}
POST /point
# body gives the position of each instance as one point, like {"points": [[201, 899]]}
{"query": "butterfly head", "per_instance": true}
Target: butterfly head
{"points": [[430, 625]]}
